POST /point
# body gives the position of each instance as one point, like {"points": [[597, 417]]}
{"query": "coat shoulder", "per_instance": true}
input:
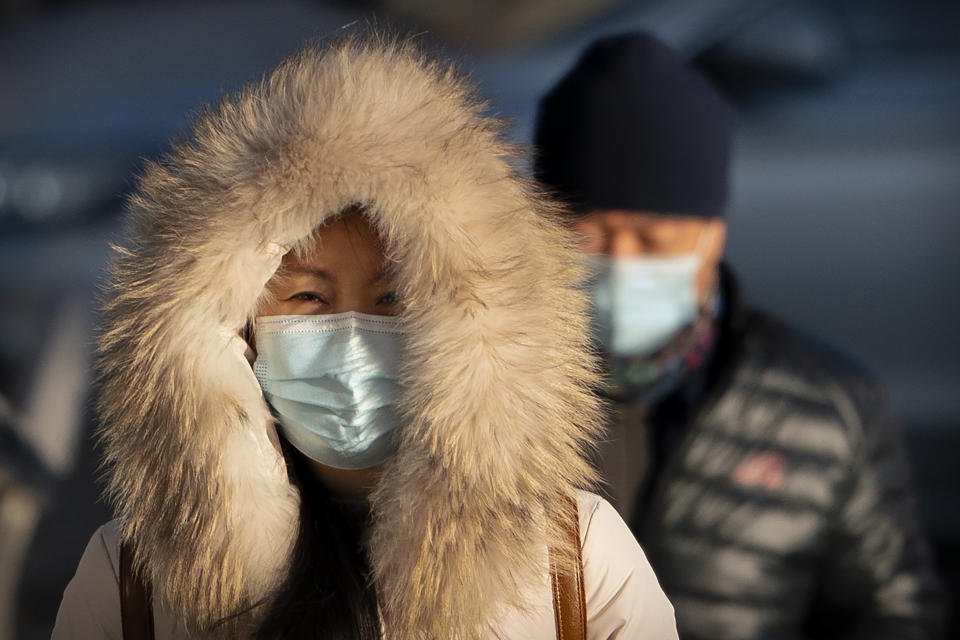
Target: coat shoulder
{"points": [[624, 597], [771, 345], [90, 607], [777, 363]]}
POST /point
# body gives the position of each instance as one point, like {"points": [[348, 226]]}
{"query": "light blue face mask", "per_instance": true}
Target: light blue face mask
{"points": [[332, 379], [641, 302]]}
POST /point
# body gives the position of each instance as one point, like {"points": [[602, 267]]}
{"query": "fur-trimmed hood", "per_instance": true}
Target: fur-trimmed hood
{"points": [[496, 399]]}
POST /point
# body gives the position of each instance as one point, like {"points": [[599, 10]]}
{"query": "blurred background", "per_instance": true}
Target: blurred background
{"points": [[845, 217]]}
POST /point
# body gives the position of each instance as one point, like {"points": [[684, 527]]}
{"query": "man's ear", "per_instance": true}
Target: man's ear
{"points": [[718, 240], [714, 240]]}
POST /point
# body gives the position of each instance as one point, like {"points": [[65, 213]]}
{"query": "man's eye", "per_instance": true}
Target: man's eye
{"points": [[660, 243], [655, 245]]}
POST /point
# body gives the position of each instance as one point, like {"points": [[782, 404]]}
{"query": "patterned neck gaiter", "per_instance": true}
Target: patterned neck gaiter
{"points": [[647, 378]]}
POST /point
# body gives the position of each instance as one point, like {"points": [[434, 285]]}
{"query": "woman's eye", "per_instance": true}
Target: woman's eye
{"points": [[387, 299], [308, 296]]}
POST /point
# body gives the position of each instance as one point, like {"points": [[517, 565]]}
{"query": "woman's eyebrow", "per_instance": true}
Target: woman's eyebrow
{"points": [[316, 273], [380, 276]]}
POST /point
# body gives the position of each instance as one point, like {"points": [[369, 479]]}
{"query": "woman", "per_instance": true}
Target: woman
{"points": [[439, 290]]}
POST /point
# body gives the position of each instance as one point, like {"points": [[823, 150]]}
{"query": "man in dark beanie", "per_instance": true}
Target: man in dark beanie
{"points": [[761, 471]]}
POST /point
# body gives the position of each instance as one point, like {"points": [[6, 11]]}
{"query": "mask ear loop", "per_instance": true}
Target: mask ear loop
{"points": [[248, 336]]}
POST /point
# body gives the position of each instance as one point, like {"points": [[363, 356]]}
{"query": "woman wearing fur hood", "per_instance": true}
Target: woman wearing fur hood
{"points": [[418, 480]]}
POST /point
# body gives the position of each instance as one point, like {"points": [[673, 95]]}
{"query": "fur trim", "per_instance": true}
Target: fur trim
{"points": [[497, 406]]}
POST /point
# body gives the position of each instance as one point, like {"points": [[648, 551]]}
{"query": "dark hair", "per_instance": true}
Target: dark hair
{"points": [[328, 592]]}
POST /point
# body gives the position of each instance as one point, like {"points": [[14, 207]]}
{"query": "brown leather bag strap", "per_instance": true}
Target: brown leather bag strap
{"points": [[569, 597], [136, 603]]}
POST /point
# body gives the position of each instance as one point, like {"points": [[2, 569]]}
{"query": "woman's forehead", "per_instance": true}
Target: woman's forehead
{"points": [[345, 239]]}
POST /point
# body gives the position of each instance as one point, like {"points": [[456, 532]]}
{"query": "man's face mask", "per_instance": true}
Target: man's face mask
{"points": [[332, 380], [641, 302]]}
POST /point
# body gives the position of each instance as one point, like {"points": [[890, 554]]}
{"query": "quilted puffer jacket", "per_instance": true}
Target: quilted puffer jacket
{"points": [[785, 508]]}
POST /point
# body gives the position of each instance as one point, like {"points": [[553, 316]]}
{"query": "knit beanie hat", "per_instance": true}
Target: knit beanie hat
{"points": [[632, 126]]}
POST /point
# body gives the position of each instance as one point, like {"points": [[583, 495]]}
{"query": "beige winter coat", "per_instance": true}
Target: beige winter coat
{"points": [[496, 400], [623, 598]]}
